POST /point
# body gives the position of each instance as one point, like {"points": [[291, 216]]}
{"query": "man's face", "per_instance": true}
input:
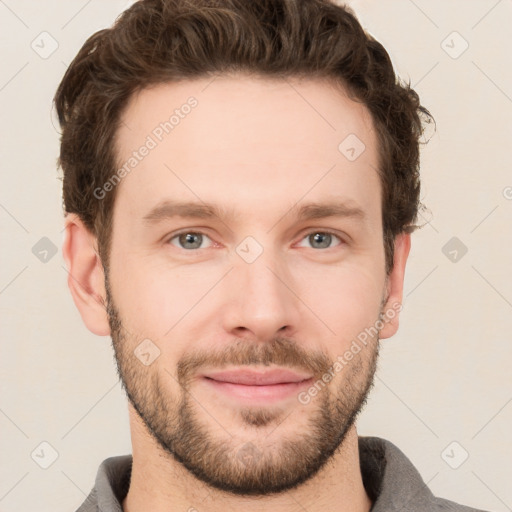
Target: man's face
{"points": [[258, 287]]}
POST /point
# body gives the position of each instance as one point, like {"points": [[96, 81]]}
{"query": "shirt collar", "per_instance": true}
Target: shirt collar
{"points": [[390, 480]]}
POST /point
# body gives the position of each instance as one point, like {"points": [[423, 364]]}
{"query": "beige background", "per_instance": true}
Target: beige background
{"points": [[444, 377]]}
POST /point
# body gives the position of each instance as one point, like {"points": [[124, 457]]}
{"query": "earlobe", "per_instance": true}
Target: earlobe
{"points": [[86, 279], [395, 286]]}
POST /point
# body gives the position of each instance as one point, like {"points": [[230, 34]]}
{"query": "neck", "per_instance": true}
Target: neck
{"points": [[160, 483]]}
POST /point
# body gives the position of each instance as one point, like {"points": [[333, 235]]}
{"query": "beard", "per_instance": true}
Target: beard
{"points": [[252, 462]]}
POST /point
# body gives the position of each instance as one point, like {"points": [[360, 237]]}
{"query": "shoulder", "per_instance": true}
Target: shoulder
{"points": [[393, 483], [446, 505], [111, 485]]}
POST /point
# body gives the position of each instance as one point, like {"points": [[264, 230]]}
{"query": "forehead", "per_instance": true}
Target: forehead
{"points": [[246, 141]]}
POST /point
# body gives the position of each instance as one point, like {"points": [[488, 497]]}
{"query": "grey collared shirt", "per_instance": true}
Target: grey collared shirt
{"points": [[390, 480]]}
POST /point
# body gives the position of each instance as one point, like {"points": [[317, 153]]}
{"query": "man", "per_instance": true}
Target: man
{"points": [[240, 182]]}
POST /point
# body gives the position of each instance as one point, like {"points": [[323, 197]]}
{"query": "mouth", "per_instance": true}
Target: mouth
{"points": [[266, 386]]}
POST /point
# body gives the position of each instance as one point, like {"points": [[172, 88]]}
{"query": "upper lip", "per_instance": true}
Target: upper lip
{"points": [[261, 378]]}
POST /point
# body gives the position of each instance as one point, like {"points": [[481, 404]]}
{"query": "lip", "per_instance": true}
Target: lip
{"points": [[244, 376], [261, 387]]}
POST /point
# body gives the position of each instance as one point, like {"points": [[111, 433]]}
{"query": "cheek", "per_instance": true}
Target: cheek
{"points": [[347, 299], [157, 299]]}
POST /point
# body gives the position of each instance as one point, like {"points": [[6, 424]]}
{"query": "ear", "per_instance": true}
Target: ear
{"points": [[86, 279], [395, 286]]}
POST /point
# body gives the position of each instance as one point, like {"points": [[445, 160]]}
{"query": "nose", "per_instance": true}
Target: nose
{"points": [[262, 301]]}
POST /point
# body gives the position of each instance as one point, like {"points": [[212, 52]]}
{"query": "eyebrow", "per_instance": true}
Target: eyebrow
{"points": [[169, 209]]}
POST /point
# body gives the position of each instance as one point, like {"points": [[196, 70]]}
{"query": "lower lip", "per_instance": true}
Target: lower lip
{"points": [[269, 393]]}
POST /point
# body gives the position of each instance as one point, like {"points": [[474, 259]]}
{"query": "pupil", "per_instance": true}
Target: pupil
{"points": [[188, 238], [325, 236]]}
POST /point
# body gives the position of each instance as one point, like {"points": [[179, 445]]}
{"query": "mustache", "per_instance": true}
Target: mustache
{"points": [[279, 351]]}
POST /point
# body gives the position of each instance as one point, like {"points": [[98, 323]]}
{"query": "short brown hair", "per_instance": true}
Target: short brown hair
{"points": [[158, 41]]}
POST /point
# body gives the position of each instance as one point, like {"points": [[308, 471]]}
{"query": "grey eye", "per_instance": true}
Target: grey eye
{"points": [[188, 240], [321, 239]]}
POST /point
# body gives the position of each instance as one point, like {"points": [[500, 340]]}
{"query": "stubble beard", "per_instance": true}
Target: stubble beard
{"points": [[264, 462]]}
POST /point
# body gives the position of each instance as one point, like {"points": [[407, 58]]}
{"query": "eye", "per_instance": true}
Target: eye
{"points": [[321, 239], [193, 240], [189, 240]]}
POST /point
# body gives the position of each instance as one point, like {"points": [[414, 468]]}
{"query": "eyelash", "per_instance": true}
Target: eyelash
{"points": [[314, 231]]}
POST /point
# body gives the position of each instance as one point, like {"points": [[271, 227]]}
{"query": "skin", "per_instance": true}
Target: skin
{"points": [[258, 147]]}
